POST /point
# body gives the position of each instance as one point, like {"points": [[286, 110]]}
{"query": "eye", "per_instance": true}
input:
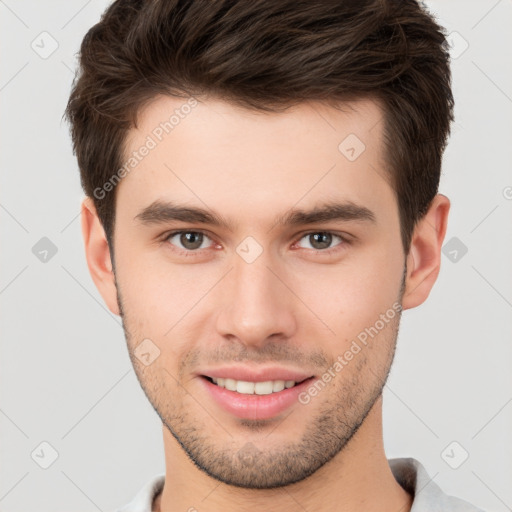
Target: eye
{"points": [[322, 240], [189, 241]]}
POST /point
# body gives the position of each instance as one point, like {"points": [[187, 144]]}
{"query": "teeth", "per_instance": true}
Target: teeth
{"points": [[278, 385], [253, 388], [230, 384], [247, 388]]}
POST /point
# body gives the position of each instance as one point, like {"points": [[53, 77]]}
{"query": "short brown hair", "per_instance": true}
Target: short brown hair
{"points": [[267, 55]]}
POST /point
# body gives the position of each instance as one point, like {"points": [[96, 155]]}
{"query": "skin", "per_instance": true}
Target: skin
{"points": [[294, 306]]}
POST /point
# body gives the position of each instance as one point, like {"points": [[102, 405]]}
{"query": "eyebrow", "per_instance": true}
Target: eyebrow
{"points": [[160, 212]]}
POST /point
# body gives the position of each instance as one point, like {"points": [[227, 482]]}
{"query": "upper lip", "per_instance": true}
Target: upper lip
{"points": [[256, 375]]}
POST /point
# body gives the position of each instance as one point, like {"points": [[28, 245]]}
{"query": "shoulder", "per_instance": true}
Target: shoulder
{"points": [[143, 500], [428, 496]]}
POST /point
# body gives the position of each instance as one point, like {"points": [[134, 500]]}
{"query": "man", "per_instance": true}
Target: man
{"points": [[262, 204]]}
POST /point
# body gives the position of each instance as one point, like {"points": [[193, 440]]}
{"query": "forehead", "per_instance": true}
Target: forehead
{"points": [[247, 163]]}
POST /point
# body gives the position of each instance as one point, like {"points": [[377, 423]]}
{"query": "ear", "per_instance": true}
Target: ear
{"points": [[424, 258], [97, 253]]}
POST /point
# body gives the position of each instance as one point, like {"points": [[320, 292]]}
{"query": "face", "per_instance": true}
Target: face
{"points": [[293, 271]]}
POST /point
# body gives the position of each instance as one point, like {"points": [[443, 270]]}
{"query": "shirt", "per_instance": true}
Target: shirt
{"points": [[408, 472]]}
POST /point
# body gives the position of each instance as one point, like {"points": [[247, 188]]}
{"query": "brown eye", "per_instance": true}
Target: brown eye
{"points": [[321, 240], [187, 240]]}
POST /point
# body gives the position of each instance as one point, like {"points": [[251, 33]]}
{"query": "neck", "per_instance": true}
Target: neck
{"points": [[357, 478]]}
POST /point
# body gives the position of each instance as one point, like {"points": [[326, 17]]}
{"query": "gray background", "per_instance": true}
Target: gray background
{"points": [[65, 376]]}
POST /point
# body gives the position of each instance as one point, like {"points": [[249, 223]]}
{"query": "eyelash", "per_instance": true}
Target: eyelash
{"points": [[345, 240]]}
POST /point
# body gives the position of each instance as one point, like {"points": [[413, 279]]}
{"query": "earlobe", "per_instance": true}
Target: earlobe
{"points": [[97, 254], [424, 258]]}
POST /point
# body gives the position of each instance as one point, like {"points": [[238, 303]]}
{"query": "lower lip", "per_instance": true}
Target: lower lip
{"points": [[255, 407]]}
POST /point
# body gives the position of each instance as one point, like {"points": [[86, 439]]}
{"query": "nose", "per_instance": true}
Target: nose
{"points": [[256, 303]]}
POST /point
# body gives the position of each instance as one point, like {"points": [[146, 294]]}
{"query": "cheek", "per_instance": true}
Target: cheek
{"points": [[164, 303], [156, 289], [351, 295], [161, 297]]}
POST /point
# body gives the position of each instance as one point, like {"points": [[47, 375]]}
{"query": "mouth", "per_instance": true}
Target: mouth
{"points": [[254, 400], [254, 388]]}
